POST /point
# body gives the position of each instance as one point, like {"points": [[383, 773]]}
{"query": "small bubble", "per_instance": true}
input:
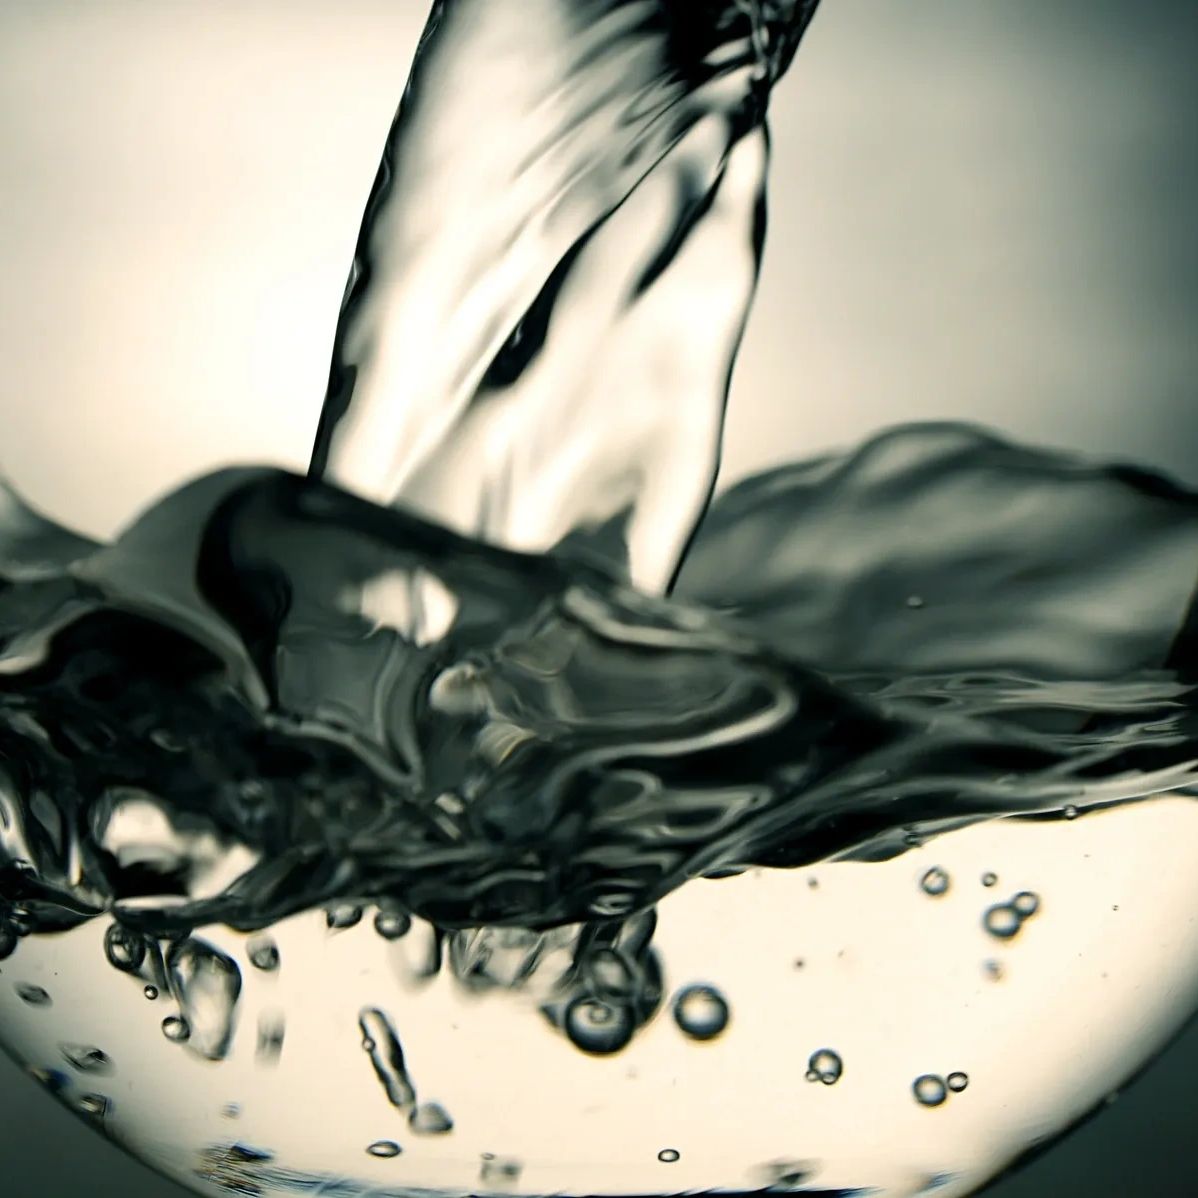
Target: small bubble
{"points": [[929, 1090], [22, 920], [86, 1058], [176, 1029], [263, 954], [935, 882], [786, 1174], [53, 1079], [384, 1149], [342, 916], [957, 1081], [35, 996], [1026, 903], [597, 1027], [701, 1012], [124, 949], [392, 925], [271, 1032], [95, 1105], [1070, 812], [668, 1156], [915, 601], [430, 1119], [994, 969], [151, 992], [989, 878], [825, 1066], [1002, 921]]}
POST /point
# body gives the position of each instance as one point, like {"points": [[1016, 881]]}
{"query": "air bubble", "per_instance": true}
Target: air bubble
{"points": [[597, 1027], [34, 996], [343, 916], [151, 992], [263, 954], [701, 1012], [124, 949], [430, 1119], [95, 1105], [175, 1029], [1070, 812], [384, 1149], [825, 1066], [392, 925], [1026, 903], [935, 882], [989, 878], [499, 1170], [668, 1156], [915, 602], [86, 1058], [1002, 921], [957, 1081], [929, 1090]]}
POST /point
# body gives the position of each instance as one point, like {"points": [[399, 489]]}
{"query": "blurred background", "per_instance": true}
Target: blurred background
{"points": [[981, 210]]}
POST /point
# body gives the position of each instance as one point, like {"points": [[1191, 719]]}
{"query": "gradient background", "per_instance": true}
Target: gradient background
{"points": [[982, 209]]}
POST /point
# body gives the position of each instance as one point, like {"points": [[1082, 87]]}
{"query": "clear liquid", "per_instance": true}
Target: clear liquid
{"points": [[437, 727]]}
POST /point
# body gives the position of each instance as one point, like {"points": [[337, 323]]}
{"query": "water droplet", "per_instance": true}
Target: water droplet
{"points": [[342, 916], [125, 950], [174, 1028], [263, 954], [668, 1156], [151, 992], [957, 1081], [701, 1012], [989, 878], [597, 1027], [1002, 921], [392, 925], [87, 1059], [929, 1090], [430, 1119], [384, 1149], [1026, 903], [34, 996], [1070, 812], [935, 882], [499, 1170], [825, 1066]]}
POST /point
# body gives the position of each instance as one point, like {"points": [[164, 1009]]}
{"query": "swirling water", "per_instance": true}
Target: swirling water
{"points": [[494, 674]]}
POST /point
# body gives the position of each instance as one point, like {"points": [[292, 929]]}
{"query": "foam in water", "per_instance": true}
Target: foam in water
{"points": [[493, 670]]}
